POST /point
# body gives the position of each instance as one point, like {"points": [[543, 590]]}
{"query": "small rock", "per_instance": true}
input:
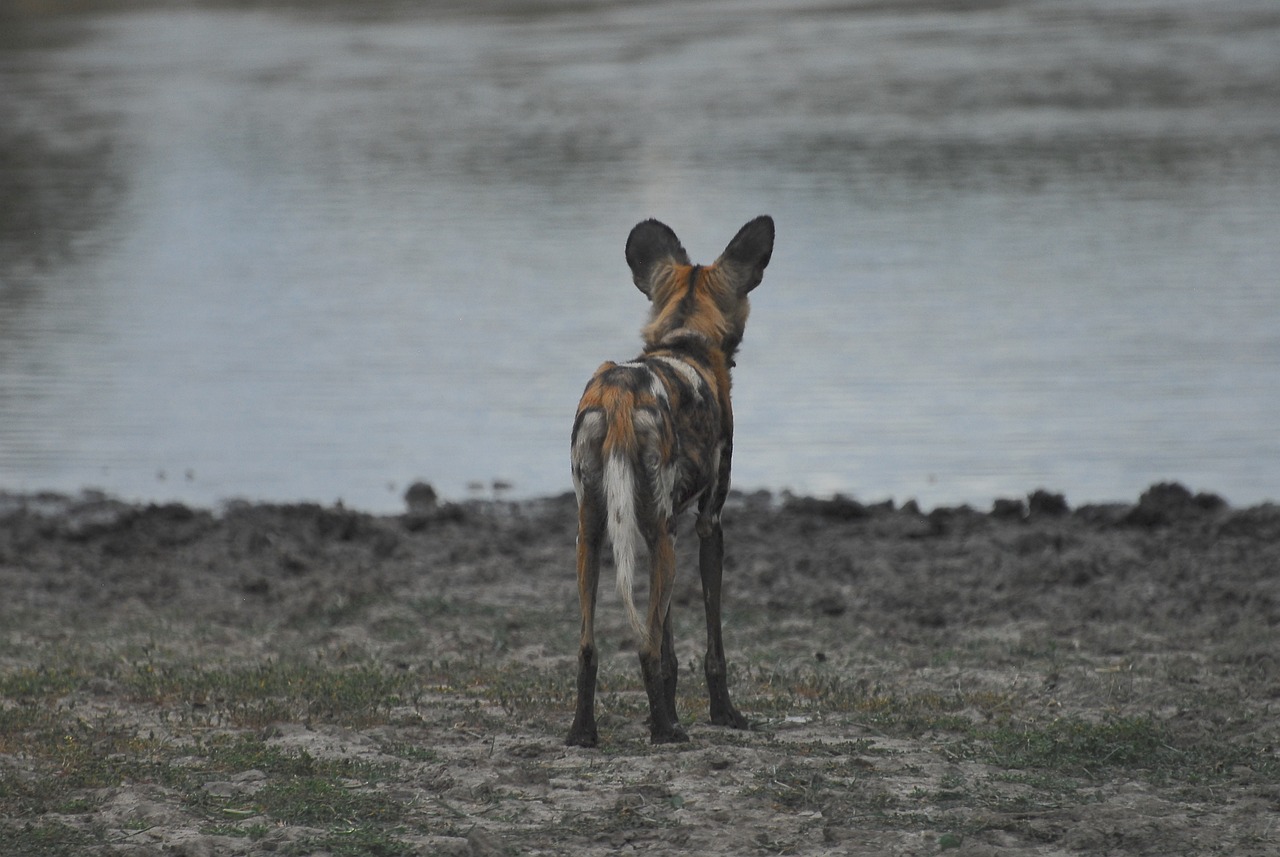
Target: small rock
{"points": [[420, 497]]}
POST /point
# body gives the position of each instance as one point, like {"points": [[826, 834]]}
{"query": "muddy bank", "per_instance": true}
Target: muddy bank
{"points": [[1029, 679], [1171, 557]]}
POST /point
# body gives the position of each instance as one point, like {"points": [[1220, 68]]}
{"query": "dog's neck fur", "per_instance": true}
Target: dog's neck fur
{"points": [[694, 321]]}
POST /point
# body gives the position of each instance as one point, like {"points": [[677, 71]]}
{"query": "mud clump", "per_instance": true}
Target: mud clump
{"points": [[1169, 503]]}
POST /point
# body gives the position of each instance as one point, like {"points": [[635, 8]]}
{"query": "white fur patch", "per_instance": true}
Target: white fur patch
{"points": [[664, 487], [686, 371], [624, 532], [656, 388]]}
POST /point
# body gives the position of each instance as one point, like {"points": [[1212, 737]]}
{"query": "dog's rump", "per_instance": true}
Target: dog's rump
{"points": [[645, 444], [662, 414]]}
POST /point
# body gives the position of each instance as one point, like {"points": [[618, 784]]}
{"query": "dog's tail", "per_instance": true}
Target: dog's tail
{"points": [[624, 532], [622, 521]]}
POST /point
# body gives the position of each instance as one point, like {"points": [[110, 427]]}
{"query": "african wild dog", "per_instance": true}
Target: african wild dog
{"points": [[652, 436]]}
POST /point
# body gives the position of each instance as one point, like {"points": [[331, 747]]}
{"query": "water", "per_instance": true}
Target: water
{"points": [[317, 255]]}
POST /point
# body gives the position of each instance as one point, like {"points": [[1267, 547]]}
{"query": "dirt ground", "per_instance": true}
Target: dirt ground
{"points": [[267, 679]]}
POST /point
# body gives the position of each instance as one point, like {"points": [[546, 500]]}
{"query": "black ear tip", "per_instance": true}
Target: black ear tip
{"points": [[651, 232], [754, 242], [759, 229], [650, 228], [651, 241]]}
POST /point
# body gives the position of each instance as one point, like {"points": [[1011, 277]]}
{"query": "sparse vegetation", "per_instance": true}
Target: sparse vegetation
{"points": [[421, 702]]}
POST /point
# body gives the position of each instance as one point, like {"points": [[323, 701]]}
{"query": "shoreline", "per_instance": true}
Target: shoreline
{"points": [[1160, 501]]}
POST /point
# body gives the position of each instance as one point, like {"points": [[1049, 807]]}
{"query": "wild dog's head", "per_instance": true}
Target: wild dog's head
{"points": [[709, 300]]}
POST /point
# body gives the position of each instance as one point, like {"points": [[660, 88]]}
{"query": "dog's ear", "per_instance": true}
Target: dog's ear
{"points": [[649, 244], [748, 253]]}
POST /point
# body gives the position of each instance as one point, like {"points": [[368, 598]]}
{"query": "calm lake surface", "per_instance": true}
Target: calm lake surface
{"points": [[319, 254]]}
